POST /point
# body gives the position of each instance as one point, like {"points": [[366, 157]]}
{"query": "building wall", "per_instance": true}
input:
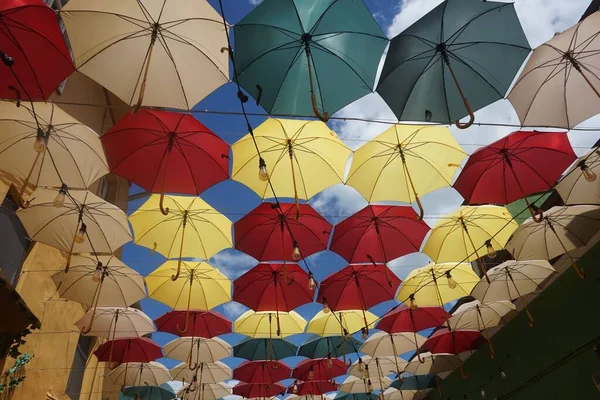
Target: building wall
{"points": [[54, 345]]}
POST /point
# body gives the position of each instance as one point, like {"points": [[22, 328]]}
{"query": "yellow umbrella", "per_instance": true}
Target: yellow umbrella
{"points": [[190, 228], [317, 158], [336, 323], [262, 324], [437, 284], [460, 235], [198, 286], [405, 162]]}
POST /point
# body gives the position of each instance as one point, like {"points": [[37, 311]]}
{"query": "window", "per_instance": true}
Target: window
{"points": [[14, 243], [78, 367]]}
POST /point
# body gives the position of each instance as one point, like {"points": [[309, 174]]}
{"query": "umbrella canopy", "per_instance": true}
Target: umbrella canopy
{"points": [[514, 167], [312, 388], [172, 56], [452, 341], [84, 223], [262, 390], [44, 146], [340, 322], [355, 396], [298, 58], [211, 372], [121, 285], [405, 319], [352, 384], [460, 57], [198, 350], [434, 364], [577, 186], [129, 350], [208, 230], [382, 344], [198, 286], [559, 86], [358, 287], [405, 162], [395, 394], [437, 284], [273, 287], [561, 230], [267, 233], [179, 154], [301, 158], [476, 315], [162, 392], [207, 391], [206, 324], [33, 49], [261, 371], [330, 346], [115, 323], [460, 235], [263, 349], [263, 324], [131, 374], [417, 382], [383, 366], [319, 369], [378, 234]]}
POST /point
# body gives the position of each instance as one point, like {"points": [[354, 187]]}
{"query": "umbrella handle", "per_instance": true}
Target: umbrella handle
{"points": [[176, 276], [164, 210], [580, 271], [288, 280], [463, 373], [419, 357], [458, 124], [421, 211], [22, 202], [313, 98]]}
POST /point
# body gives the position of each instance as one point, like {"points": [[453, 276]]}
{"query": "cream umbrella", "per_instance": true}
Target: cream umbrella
{"points": [[382, 344], [115, 323], [149, 53], [187, 227], [206, 391], [562, 229], [512, 280], [137, 374], [434, 364], [44, 146], [205, 372], [100, 280], [560, 86], [395, 394], [352, 384], [83, 223], [476, 315], [385, 364], [580, 184], [196, 351]]}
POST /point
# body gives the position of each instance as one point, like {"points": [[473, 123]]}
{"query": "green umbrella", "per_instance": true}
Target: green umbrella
{"points": [[259, 349], [520, 206], [302, 56], [162, 392], [355, 396], [336, 346], [417, 382], [460, 57]]}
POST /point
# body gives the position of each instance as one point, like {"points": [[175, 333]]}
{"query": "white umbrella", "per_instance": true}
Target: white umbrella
{"points": [[195, 351], [149, 53], [352, 384], [386, 344], [434, 364], [580, 185], [213, 372], [387, 365], [206, 391], [136, 374], [512, 280], [115, 323]]}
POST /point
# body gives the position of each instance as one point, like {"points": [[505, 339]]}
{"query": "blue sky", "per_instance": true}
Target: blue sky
{"points": [[235, 200]]}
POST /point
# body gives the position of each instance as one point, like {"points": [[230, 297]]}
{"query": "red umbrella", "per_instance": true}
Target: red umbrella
{"points": [[379, 234], [251, 390], [35, 59], [405, 319], [320, 369], [262, 372], [129, 350], [516, 166], [163, 151], [314, 388], [204, 324], [264, 234], [358, 287], [453, 342]]}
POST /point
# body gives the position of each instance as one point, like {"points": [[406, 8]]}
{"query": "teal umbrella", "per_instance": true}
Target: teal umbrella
{"points": [[336, 346], [162, 392], [460, 57], [260, 349], [356, 396], [417, 382], [303, 56]]}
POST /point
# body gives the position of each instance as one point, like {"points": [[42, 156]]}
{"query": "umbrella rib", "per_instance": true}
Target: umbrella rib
{"points": [[331, 52], [462, 61], [462, 29], [226, 171], [274, 49], [178, 147], [281, 156]]}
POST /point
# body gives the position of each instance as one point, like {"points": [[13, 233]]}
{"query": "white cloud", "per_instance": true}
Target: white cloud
{"points": [[234, 309], [232, 263]]}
